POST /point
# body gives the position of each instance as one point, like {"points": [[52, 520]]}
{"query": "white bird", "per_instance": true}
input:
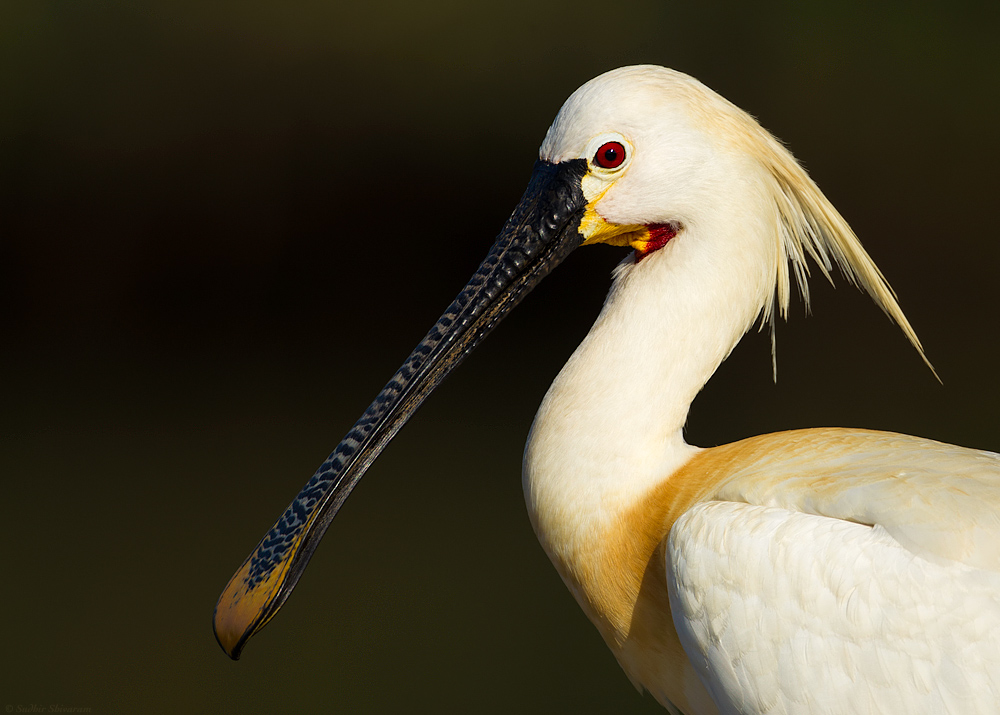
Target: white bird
{"points": [[812, 571]]}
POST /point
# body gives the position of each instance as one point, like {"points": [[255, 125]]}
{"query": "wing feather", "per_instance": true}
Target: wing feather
{"points": [[940, 501], [786, 612]]}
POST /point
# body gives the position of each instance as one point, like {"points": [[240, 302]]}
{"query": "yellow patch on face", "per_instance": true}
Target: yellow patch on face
{"points": [[595, 229]]}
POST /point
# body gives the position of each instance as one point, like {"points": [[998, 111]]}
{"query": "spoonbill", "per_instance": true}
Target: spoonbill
{"points": [[810, 571]]}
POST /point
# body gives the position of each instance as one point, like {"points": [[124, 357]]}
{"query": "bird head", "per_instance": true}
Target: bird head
{"points": [[667, 156]]}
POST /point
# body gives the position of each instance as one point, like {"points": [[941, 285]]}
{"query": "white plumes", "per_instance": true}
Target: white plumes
{"points": [[810, 225]]}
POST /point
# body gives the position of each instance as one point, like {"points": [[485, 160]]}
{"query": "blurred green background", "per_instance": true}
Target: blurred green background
{"points": [[224, 225]]}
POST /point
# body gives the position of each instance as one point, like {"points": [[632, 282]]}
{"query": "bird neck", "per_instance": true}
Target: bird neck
{"points": [[609, 430], [610, 426]]}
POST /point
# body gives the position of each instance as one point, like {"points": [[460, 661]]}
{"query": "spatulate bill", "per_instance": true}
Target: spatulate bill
{"points": [[541, 232]]}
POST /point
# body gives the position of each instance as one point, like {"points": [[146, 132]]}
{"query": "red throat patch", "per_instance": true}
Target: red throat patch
{"points": [[659, 235]]}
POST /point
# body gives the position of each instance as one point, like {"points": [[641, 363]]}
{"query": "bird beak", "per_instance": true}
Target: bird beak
{"points": [[541, 232]]}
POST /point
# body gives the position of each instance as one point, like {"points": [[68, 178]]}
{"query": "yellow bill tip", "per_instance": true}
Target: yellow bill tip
{"points": [[246, 605]]}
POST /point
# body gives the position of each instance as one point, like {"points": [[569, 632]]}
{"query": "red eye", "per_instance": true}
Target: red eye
{"points": [[610, 155]]}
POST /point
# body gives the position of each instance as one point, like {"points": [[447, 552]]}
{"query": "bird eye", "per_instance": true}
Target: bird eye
{"points": [[610, 155]]}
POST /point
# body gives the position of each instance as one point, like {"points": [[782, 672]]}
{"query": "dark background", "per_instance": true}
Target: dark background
{"points": [[223, 226]]}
